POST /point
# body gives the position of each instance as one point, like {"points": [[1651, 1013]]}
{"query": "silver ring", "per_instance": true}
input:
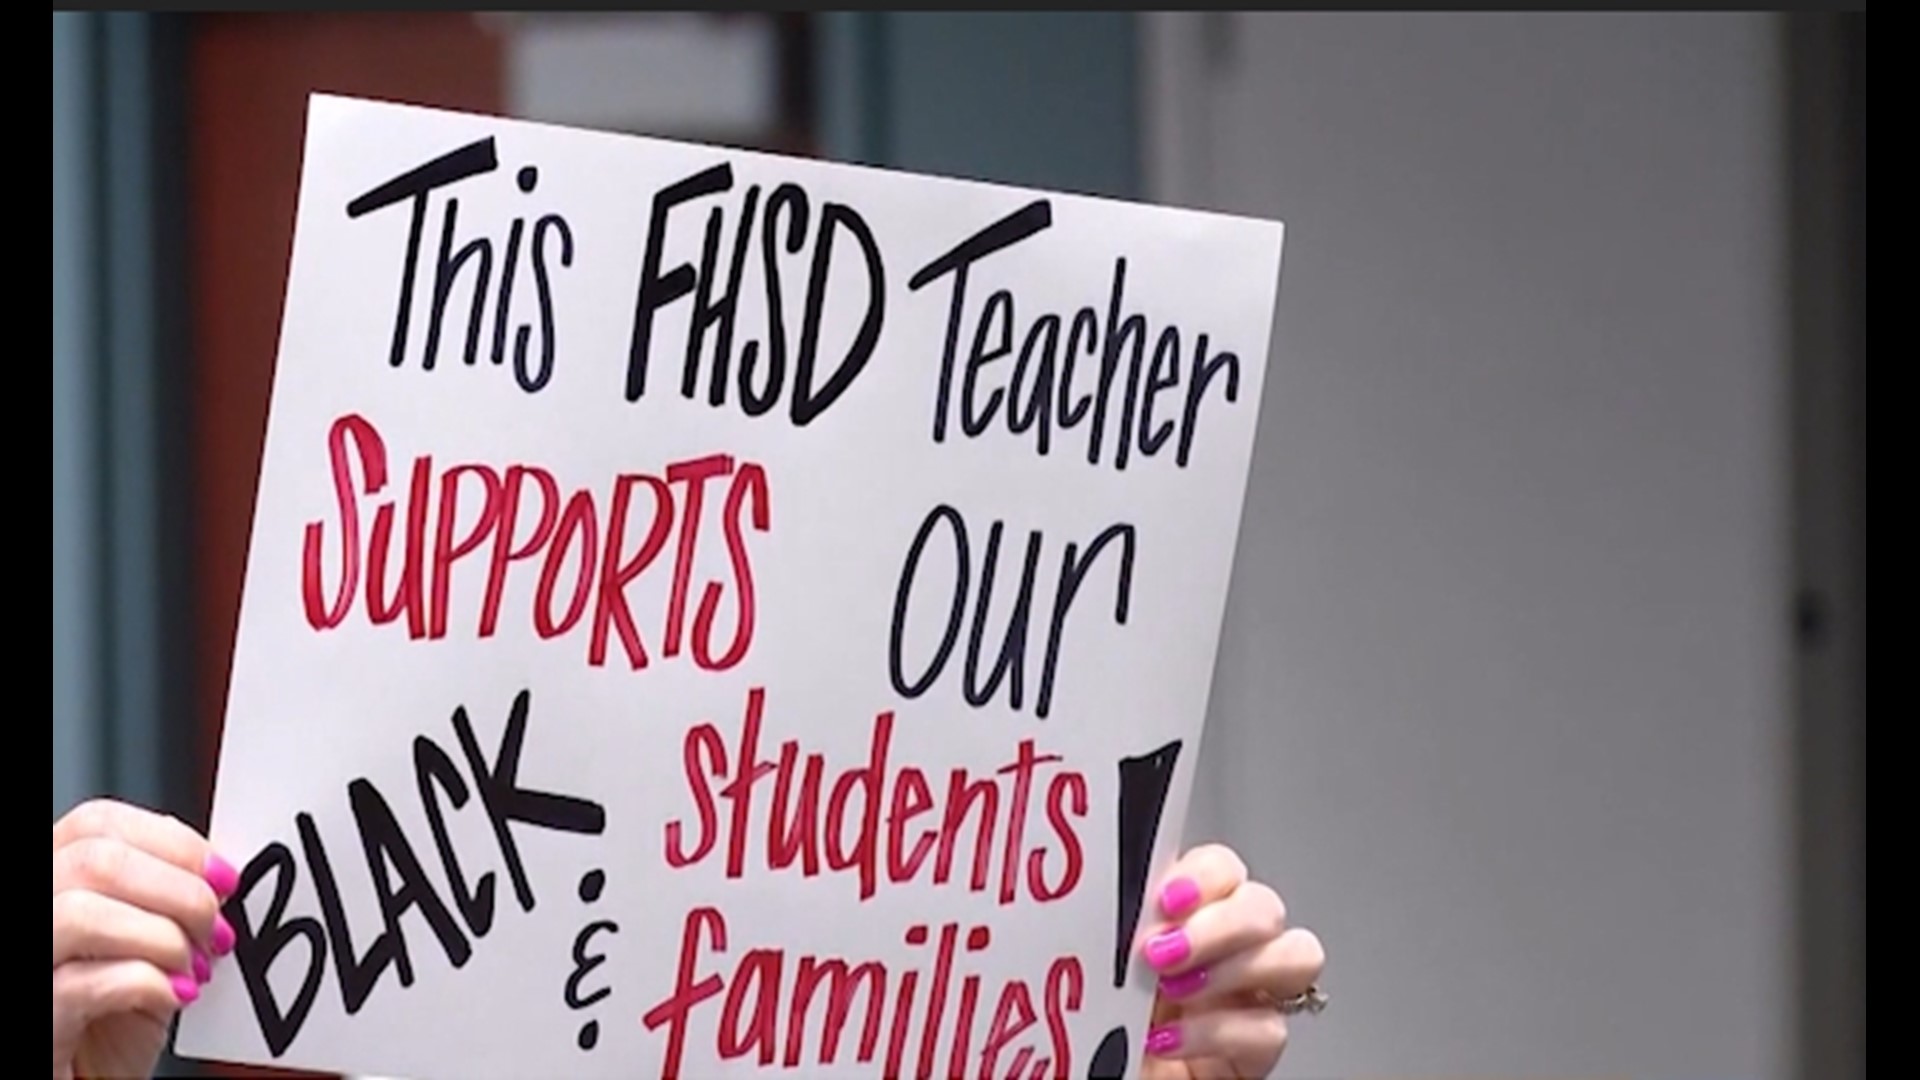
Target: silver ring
{"points": [[1312, 1001]]}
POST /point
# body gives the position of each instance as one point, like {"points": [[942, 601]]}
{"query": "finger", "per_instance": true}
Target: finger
{"points": [[1303, 959], [112, 868], [1213, 1069], [89, 926], [1251, 1040], [1284, 967], [164, 837], [85, 990], [1202, 876], [1249, 918], [1154, 1068]]}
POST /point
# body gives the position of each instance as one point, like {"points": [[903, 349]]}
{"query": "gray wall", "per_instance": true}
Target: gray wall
{"points": [[1503, 702]]}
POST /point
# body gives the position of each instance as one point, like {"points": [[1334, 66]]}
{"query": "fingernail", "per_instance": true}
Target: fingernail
{"points": [[222, 941], [202, 967], [1179, 896], [1167, 949], [1185, 984], [185, 989], [222, 876], [1163, 1040]]}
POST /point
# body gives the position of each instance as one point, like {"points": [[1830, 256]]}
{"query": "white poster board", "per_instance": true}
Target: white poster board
{"points": [[710, 611]]}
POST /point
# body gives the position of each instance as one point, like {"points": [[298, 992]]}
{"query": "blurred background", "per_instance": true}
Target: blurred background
{"points": [[1542, 690]]}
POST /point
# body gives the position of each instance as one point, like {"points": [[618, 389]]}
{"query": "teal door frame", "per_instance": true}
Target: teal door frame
{"points": [[1046, 99], [122, 722]]}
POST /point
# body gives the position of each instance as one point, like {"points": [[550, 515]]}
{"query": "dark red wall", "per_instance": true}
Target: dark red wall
{"points": [[250, 76]]}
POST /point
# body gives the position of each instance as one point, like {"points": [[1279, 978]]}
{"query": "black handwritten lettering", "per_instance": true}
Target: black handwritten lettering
{"points": [[473, 159], [256, 948], [1145, 782], [536, 379], [432, 767], [1012, 660], [508, 804], [401, 884], [384, 845], [790, 202], [1041, 395], [1008, 668], [957, 610], [417, 187], [808, 403], [718, 314], [958, 261], [446, 273], [1073, 571], [1001, 304], [657, 290], [584, 963], [784, 370]]}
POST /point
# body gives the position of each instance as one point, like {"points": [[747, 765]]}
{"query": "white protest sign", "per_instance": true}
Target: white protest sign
{"points": [[710, 612]]}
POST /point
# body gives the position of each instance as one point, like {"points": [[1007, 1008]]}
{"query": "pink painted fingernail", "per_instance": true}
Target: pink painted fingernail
{"points": [[202, 967], [185, 989], [222, 876], [222, 939], [1163, 1040], [1167, 949], [1179, 896], [1185, 984]]}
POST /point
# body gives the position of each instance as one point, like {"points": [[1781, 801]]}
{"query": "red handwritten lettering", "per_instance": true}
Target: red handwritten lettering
{"points": [[768, 1006], [586, 563], [373, 465], [864, 827]]}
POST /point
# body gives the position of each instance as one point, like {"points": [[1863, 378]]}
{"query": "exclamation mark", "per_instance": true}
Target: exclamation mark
{"points": [[1144, 784]]}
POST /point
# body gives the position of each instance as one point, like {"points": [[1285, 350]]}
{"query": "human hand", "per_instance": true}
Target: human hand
{"points": [[136, 926], [1227, 962]]}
